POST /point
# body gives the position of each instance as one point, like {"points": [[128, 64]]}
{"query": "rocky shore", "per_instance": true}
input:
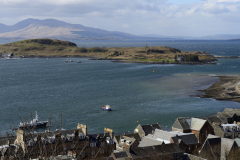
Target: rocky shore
{"points": [[224, 89]]}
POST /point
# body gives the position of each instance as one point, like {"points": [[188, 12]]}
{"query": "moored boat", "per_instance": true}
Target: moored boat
{"points": [[34, 123], [107, 108]]}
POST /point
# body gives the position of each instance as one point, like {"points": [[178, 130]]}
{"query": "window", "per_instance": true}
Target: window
{"points": [[93, 152], [83, 153], [93, 144], [102, 151], [64, 148], [102, 143], [71, 146]]}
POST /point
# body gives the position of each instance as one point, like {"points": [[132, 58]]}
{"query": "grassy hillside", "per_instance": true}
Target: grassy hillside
{"points": [[57, 48]]}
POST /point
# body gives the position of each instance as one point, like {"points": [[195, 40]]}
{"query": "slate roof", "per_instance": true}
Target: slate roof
{"points": [[149, 128], [181, 123], [218, 145], [134, 135], [163, 135], [189, 123], [121, 154], [191, 157], [187, 139], [214, 118], [147, 141], [105, 158], [150, 151], [197, 124], [237, 140], [223, 117]]}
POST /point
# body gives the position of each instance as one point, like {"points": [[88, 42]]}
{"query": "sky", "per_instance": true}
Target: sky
{"points": [[139, 17]]}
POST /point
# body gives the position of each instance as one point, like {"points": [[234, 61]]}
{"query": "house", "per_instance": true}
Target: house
{"points": [[180, 58], [227, 123], [76, 143], [199, 126], [127, 142], [158, 152], [219, 148], [144, 130], [228, 116], [149, 141], [186, 141]]}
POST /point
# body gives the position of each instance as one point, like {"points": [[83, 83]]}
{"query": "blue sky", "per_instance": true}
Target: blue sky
{"points": [[139, 17]]}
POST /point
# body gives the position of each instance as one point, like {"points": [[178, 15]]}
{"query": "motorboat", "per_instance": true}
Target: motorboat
{"points": [[106, 108]]}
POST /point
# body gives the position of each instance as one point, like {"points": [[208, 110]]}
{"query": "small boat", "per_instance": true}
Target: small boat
{"points": [[34, 123], [106, 108], [154, 70], [66, 61], [71, 60], [78, 61]]}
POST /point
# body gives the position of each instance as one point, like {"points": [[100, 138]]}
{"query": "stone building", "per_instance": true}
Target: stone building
{"points": [[77, 143], [227, 123], [127, 142], [200, 127], [158, 152], [144, 130], [219, 148], [186, 141]]}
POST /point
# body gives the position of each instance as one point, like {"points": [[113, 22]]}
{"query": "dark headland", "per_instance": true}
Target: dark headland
{"points": [[47, 48]]}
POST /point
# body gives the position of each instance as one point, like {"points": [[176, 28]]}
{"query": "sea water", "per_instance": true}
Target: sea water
{"points": [[136, 93]]}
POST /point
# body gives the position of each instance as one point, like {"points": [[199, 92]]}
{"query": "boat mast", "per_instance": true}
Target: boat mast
{"points": [[36, 116]]}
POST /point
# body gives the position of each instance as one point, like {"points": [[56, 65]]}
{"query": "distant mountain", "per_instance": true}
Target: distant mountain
{"points": [[51, 28], [221, 37], [55, 29]]}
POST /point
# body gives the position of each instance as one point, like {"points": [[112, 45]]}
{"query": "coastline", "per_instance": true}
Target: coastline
{"points": [[223, 89]]}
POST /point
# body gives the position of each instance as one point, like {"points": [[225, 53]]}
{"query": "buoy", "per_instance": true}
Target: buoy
{"points": [[138, 98], [138, 111], [137, 121], [156, 103], [18, 108]]}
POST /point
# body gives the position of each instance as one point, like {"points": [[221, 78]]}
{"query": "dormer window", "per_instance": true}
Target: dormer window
{"points": [[51, 139], [92, 144], [30, 142], [70, 137], [123, 140], [81, 136], [43, 140], [63, 138], [129, 142]]}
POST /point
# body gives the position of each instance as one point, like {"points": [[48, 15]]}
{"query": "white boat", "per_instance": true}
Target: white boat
{"points": [[107, 108], [34, 123]]}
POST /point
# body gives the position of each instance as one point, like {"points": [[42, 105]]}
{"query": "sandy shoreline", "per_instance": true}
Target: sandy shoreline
{"points": [[224, 89]]}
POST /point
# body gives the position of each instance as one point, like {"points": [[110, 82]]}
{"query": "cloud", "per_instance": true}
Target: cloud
{"points": [[144, 16]]}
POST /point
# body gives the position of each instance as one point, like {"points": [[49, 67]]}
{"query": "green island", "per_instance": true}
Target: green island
{"points": [[56, 48]]}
